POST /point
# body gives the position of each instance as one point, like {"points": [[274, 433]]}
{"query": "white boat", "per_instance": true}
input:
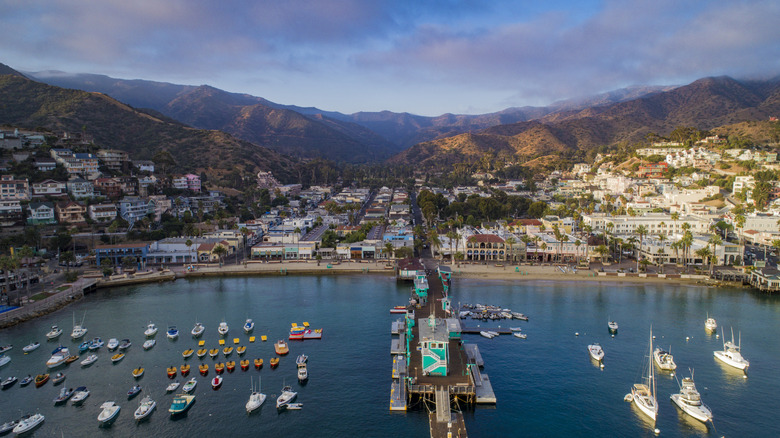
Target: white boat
{"points": [[31, 347], [113, 344], [80, 395], [256, 399], [223, 328], [301, 359], [125, 344], [78, 329], [643, 394], [493, 333], [172, 387], [54, 333], [519, 335], [58, 357], [95, 344], [149, 343], [732, 353], [689, 400], [151, 330], [197, 330], [4, 359], [145, 408], [216, 382], [664, 359], [293, 406], [28, 423], [249, 325], [286, 397], [486, 334], [8, 426], [172, 332], [109, 412], [710, 324], [89, 360], [596, 352], [303, 373], [516, 329], [190, 385], [613, 326]]}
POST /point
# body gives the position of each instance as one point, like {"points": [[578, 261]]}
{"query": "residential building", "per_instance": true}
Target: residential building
{"points": [[41, 213], [132, 209], [44, 164], [102, 212], [10, 213], [187, 182], [70, 212], [49, 187], [79, 188], [114, 159], [108, 187], [11, 188]]}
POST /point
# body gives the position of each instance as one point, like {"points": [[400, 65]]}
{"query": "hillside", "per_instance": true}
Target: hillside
{"points": [[112, 124]]}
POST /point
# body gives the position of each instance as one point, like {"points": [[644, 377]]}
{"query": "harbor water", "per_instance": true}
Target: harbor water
{"points": [[546, 385]]}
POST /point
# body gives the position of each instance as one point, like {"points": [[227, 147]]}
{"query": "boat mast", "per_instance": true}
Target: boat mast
{"points": [[651, 374]]}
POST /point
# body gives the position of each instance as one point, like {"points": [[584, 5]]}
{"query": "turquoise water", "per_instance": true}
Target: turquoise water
{"points": [[546, 385]]}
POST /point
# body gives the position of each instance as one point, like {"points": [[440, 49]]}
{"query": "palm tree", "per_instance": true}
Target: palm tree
{"points": [[577, 244], [433, 239], [26, 253], [641, 231], [219, 251], [739, 221], [189, 248], [715, 240], [244, 232], [511, 242], [603, 251], [388, 249], [687, 242], [675, 217], [705, 254], [451, 235], [661, 255]]}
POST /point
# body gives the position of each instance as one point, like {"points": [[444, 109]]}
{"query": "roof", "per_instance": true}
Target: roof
{"points": [[206, 247], [485, 238], [123, 245]]}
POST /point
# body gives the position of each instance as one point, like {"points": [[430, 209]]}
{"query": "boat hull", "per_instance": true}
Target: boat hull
{"points": [[721, 356]]}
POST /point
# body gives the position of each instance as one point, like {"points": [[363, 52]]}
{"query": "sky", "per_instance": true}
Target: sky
{"points": [[426, 57]]}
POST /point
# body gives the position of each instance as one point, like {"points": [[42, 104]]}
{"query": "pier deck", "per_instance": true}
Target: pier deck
{"points": [[472, 352], [397, 327], [483, 387], [455, 428], [398, 346], [399, 366], [398, 395]]}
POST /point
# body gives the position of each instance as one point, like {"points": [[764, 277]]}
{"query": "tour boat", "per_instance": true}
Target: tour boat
{"points": [[303, 373], [664, 359], [27, 380], [710, 324], [613, 326], [244, 364], [4, 359], [109, 412], [79, 395], [149, 343], [54, 333], [202, 352], [172, 387], [281, 347], [181, 403], [172, 332], [58, 357], [240, 350], [197, 330], [125, 344], [117, 357], [185, 370], [227, 350], [145, 408], [28, 423], [230, 365], [171, 372], [95, 344], [187, 353], [214, 352], [301, 359], [132, 392], [151, 330], [78, 329], [256, 398], [643, 394], [65, 394], [138, 372], [113, 344], [689, 400], [58, 378], [89, 360], [190, 385], [249, 325], [274, 362], [31, 347], [219, 367], [203, 368], [216, 382], [8, 382], [41, 379], [258, 363], [286, 397], [732, 353], [596, 352], [223, 328]]}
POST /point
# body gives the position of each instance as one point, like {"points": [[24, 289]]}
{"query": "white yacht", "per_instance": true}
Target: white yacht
{"points": [[286, 397], [710, 324], [596, 352], [643, 394], [303, 373], [197, 330], [109, 412], [89, 360], [54, 333], [58, 357], [732, 353], [151, 330], [689, 400], [113, 344], [664, 359], [78, 329], [256, 399], [28, 423], [223, 328]]}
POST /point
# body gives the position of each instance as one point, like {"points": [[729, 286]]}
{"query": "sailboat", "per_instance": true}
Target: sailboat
{"points": [[643, 394], [256, 399], [732, 353], [78, 330]]}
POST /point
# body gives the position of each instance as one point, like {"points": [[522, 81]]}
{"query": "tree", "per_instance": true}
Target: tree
{"points": [[704, 253], [164, 161], [603, 252], [511, 242], [26, 253], [641, 231], [67, 257], [388, 250], [433, 238], [129, 262], [220, 251], [715, 240]]}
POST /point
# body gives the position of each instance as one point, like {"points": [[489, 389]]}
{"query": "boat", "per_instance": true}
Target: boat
{"points": [[520, 316], [109, 412], [256, 398], [89, 360], [8, 382], [84, 347], [173, 332], [596, 352], [65, 394], [240, 350], [613, 326], [71, 359], [710, 325], [227, 350], [172, 387], [171, 371], [132, 392], [274, 362], [219, 367], [185, 370], [664, 359], [293, 406], [145, 408], [286, 397], [31, 347], [296, 332], [113, 344], [8, 426], [28, 423], [519, 335], [303, 373], [187, 353], [54, 333], [197, 330], [249, 325], [732, 353], [398, 309], [689, 400], [258, 363], [216, 382], [223, 328], [58, 378], [151, 330], [78, 329], [180, 404], [202, 352], [58, 357], [643, 394], [230, 366], [515, 329], [79, 395], [95, 344], [301, 359], [244, 364], [5, 348], [190, 385], [4, 359], [125, 344], [214, 352], [138, 372], [117, 357], [149, 343], [203, 368], [486, 334], [26, 381], [281, 347]]}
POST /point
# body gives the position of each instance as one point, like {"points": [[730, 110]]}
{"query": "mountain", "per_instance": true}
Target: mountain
{"points": [[112, 124], [705, 104], [6, 70]]}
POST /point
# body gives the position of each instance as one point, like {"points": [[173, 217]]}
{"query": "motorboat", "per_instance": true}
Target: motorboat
{"points": [[149, 343], [138, 372], [613, 326], [181, 403], [732, 353], [41, 379], [301, 359], [287, 396], [89, 360], [108, 413], [214, 352], [4, 359], [486, 334], [664, 359], [520, 316], [172, 387], [710, 325], [95, 344], [202, 352], [241, 349], [5, 348], [219, 367], [8, 382], [244, 364], [113, 344], [398, 309], [203, 368], [515, 329], [151, 330], [185, 370], [58, 378], [31, 347], [7, 427], [172, 332], [258, 363], [72, 358], [689, 400], [54, 333], [303, 373], [117, 357], [84, 347], [216, 382], [27, 380], [249, 325], [78, 329], [190, 385], [230, 365], [596, 352], [281, 347], [197, 330], [643, 394], [171, 371], [256, 399], [519, 335], [58, 357], [132, 392], [274, 362], [227, 351], [187, 353], [293, 406], [223, 328], [145, 408], [65, 394], [79, 395], [28, 423], [125, 344]]}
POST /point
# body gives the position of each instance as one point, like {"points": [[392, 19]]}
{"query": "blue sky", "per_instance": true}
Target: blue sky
{"points": [[423, 57]]}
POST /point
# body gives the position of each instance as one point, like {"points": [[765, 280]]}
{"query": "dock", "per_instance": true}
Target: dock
{"points": [[472, 351]]}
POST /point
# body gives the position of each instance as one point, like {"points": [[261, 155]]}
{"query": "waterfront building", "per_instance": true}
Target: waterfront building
{"points": [[487, 247], [114, 255]]}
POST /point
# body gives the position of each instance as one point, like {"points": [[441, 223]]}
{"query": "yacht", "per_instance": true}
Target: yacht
{"points": [[249, 325], [173, 332], [172, 387], [145, 408], [151, 330], [8, 382], [78, 329], [664, 359], [54, 333], [197, 330], [256, 399], [643, 394], [286, 397], [95, 344], [223, 328], [125, 344], [80, 395], [28, 423], [596, 352], [113, 344], [58, 357], [732, 353], [65, 394], [109, 412], [710, 324], [689, 400]]}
